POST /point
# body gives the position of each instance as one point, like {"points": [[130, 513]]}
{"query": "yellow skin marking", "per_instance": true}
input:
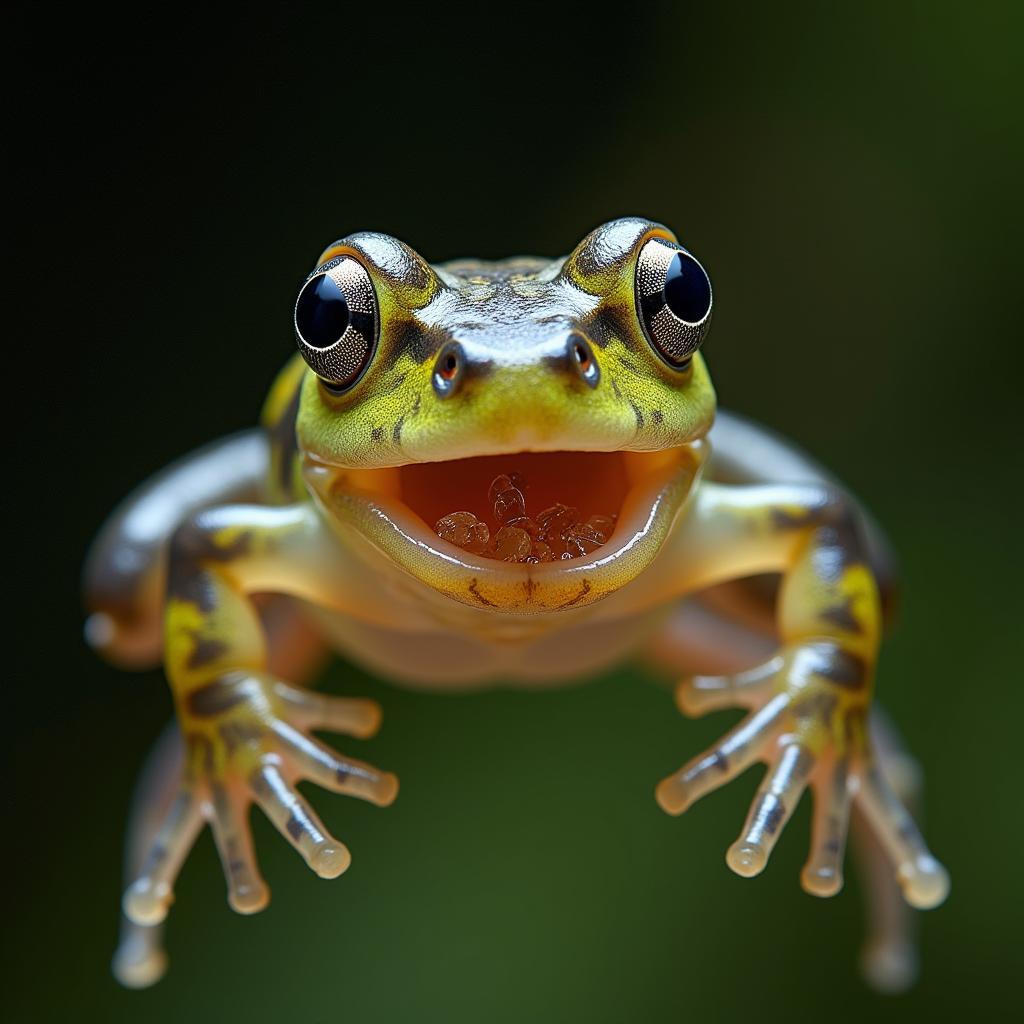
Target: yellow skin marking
{"points": [[337, 526]]}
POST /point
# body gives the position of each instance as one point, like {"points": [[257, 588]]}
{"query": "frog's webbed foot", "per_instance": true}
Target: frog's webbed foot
{"points": [[246, 741], [807, 721]]}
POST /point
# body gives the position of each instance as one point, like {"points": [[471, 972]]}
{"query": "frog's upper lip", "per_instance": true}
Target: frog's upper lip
{"points": [[378, 505]]}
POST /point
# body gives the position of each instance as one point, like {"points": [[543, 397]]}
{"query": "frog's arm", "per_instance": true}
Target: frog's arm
{"points": [[808, 703], [245, 731]]}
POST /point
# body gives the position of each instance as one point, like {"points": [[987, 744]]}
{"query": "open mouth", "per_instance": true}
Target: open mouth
{"points": [[526, 507], [469, 525], [529, 507]]}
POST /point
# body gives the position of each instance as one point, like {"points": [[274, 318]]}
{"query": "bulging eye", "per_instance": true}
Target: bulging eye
{"points": [[673, 296], [336, 322]]}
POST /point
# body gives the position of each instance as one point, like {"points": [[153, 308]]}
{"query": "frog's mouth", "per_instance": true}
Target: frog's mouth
{"points": [[524, 531]]}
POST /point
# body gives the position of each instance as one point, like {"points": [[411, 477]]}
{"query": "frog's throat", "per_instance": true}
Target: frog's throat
{"points": [[392, 509]]}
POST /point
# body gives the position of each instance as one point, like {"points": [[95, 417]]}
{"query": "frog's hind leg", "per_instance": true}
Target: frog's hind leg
{"points": [[140, 959], [125, 574], [889, 959]]}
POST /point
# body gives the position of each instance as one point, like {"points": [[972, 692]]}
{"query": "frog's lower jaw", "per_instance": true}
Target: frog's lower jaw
{"points": [[395, 508]]}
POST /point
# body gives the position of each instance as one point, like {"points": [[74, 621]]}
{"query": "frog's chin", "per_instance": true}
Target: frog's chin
{"points": [[394, 510]]}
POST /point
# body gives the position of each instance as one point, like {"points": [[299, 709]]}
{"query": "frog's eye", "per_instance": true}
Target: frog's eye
{"points": [[673, 297], [336, 322]]}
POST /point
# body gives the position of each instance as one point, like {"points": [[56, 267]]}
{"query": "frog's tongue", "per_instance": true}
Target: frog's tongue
{"points": [[592, 482]]}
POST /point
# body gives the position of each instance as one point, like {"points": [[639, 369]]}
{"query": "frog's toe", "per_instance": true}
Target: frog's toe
{"points": [[736, 752], [783, 785], [140, 960], [924, 881], [247, 892], [890, 967], [823, 873], [298, 823], [320, 764], [352, 716], [149, 897], [700, 694]]}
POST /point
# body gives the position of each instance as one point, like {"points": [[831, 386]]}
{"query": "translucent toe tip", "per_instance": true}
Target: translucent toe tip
{"points": [[889, 969], [671, 795], [249, 899], [146, 903], [746, 859], [386, 789], [136, 966], [369, 719], [822, 881], [331, 861], [925, 882], [687, 702]]}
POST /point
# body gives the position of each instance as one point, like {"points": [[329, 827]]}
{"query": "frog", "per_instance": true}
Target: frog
{"points": [[723, 555]]}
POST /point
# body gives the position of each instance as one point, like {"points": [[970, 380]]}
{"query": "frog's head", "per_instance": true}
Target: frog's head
{"points": [[580, 374]]}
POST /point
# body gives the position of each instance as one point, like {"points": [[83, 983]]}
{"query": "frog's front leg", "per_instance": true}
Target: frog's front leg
{"points": [[246, 733], [808, 704]]}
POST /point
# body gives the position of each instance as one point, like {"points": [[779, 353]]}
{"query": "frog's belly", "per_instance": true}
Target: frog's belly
{"points": [[443, 659]]}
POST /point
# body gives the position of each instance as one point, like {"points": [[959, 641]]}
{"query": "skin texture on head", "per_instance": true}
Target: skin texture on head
{"points": [[544, 356]]}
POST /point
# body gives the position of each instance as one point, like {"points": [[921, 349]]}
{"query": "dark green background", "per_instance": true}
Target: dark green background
{"points": [[851, 178]]}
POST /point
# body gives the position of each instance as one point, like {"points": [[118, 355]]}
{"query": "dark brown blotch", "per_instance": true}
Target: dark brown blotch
{"points": [[584, 590], [474, 590], [214, 698], [846, 670], [783, 519], [842, 615], [206, 651], [191, 546]]}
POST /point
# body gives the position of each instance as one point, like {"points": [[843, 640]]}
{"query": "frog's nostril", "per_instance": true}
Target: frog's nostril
{"points": [[581, 358], [448, 369]]}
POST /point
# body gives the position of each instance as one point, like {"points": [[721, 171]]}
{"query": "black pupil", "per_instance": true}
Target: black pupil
{"points": [[687, 290], [321, 312]]}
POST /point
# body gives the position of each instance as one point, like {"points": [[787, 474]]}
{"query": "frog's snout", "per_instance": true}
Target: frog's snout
{"points": [[568, 352]]}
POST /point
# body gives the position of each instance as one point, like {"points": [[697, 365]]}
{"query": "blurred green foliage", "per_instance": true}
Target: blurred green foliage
{"points": [[851, 177]]}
